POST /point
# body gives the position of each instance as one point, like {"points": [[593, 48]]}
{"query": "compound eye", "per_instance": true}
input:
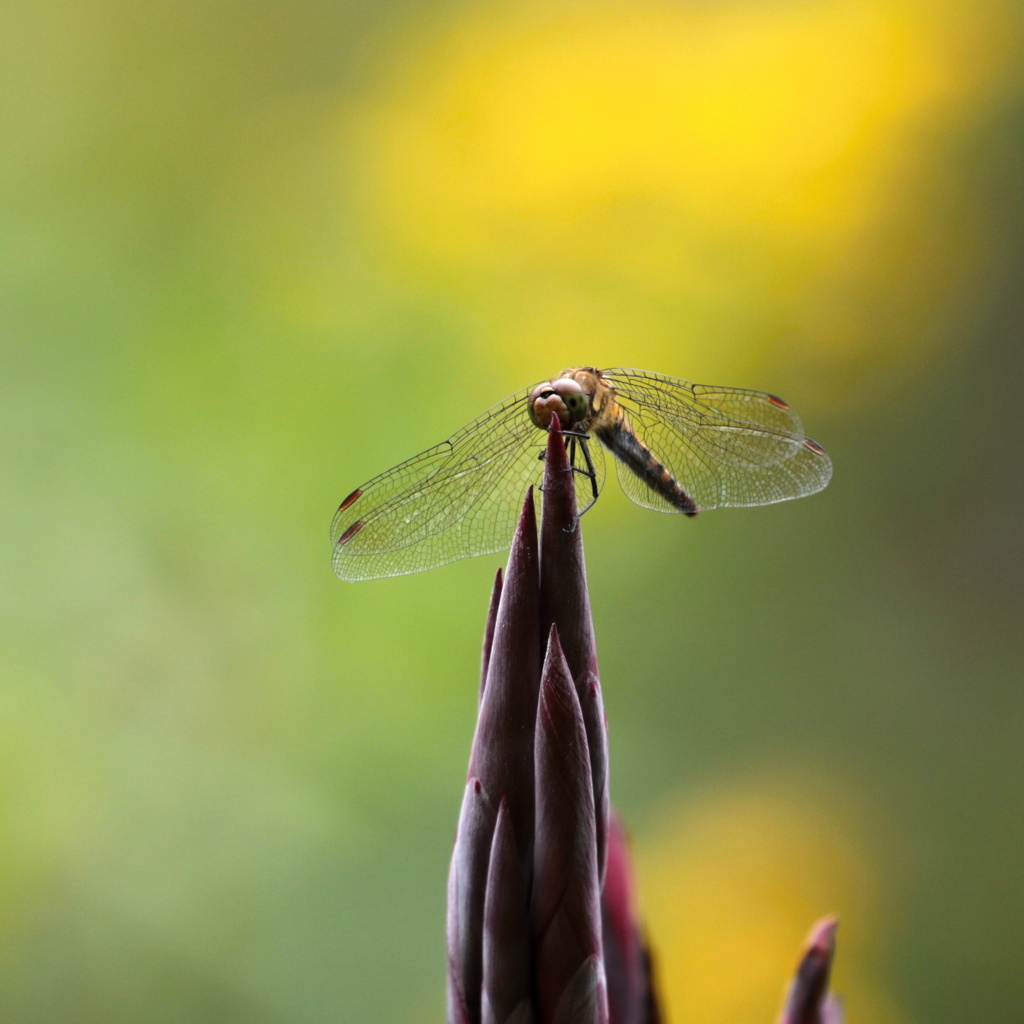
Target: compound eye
{"points": [[577, 405], [573, 397], [564, 397]]}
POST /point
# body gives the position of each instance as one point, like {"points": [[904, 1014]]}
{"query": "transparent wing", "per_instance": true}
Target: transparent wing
{"points": [[726, 446], [459, 498]]}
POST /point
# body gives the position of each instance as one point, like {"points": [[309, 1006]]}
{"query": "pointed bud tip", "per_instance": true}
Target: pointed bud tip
{"points": [[808, 1000], [822, 937], [554, 641]]}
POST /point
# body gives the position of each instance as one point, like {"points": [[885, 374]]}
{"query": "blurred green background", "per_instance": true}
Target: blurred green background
{"points": [[254, 254]]}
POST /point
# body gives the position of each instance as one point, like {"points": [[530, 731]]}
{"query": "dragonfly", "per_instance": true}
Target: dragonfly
{"points": [[678, 447]]}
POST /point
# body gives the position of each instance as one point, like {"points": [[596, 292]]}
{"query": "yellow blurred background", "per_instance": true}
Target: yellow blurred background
{"points": [[252, 255]]}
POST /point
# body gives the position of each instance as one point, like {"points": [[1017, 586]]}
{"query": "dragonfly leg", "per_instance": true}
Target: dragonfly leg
{"points": [[581, 440], [572, 457], [578, 439], [542, 454]]}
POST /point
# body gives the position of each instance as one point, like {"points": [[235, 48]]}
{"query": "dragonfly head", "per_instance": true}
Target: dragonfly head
{"points": [[563, 396]]}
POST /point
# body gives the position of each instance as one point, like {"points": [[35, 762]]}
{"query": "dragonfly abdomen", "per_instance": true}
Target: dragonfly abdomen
{"points": [[629, 449]]}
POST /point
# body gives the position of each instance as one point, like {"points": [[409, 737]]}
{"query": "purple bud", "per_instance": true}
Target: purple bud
{"points": [[808, 1001], [588, 689], [502, 753], [507, 980], [565, 601], [492, 615], [524, 901], [631, 998], [564, 597], [565, 907], [467, 881], [584, 1000]]}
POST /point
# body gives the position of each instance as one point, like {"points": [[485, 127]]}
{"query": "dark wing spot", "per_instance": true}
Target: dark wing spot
{"points": [[348, 501], [350, 532], [814, 446], [775, 400]]}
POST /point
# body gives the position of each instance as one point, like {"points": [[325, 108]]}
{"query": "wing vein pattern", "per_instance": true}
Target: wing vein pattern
{"points": [[458, 498], [726, 446]]}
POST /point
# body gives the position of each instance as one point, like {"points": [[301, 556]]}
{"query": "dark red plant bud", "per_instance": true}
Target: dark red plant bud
{"points": [[808, 1001], [467, 880], [492, 615], [508, 975], [565, 601], [502, 753], [524, 898], [564, 597], [631, 995], [565, 909]]}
